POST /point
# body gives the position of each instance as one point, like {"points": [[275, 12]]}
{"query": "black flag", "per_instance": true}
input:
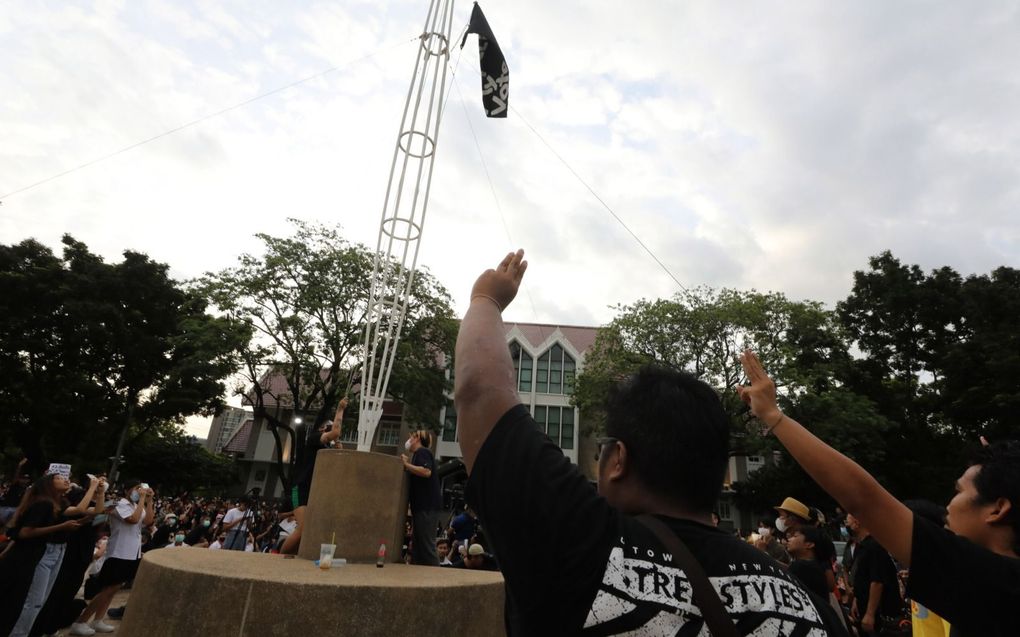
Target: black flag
{"points": [[495, 74]]}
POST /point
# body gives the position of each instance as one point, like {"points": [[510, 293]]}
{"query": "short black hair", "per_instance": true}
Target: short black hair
{"points": [[676, 433], [811, 534], [999, 477]]}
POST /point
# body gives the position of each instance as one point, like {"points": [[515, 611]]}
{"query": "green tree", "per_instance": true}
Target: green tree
{"points": [[305, 300], [939, 353], [174, 463], [92, 351], [702, 331]]}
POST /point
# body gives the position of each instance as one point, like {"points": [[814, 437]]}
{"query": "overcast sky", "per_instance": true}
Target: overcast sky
{"points": [[774, 146]]}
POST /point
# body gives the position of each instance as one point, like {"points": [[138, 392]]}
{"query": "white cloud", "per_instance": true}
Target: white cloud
{"points": [[774, 146]]}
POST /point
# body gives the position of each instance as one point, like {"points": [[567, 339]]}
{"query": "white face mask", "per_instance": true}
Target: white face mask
{"points": [[407, 445], [781, 525]]}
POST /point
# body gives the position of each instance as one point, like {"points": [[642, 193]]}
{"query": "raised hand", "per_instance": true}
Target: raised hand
{"points": [[761, 393], [501, 284]]}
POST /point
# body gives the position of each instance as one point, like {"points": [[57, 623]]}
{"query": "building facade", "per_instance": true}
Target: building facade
{"points": [[223, 427], [547, 360]]}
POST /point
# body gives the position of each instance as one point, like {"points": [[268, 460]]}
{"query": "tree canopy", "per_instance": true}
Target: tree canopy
{"points": [[305, 301], [902, 376], [91, 352]]}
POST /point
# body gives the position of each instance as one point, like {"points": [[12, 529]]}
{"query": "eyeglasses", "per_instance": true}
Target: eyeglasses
{"points": [[602, 442]]}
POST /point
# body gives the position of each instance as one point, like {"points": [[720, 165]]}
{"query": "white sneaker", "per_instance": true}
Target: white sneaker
{"points": [[81, 628], [100, 626]]}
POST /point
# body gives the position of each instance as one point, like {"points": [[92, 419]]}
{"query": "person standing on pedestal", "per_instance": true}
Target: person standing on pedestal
{"points": [[425, 498], [321, 438]]}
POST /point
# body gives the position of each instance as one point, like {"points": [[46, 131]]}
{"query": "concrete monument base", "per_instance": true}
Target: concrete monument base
{"points": [[191, 591], [359, 498]]}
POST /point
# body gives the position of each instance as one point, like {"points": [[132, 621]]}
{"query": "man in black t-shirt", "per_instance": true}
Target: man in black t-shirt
{"points": [[873, 577], [424, 497], [606, 572], [967, 573]]}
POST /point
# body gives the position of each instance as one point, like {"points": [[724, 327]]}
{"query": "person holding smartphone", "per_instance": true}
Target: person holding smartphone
{"points": [[132, 513]]}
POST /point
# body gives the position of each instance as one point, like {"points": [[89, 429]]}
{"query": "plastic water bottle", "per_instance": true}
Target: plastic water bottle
{"points": [[382, 556]]}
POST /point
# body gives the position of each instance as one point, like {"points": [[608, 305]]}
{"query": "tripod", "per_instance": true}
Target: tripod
{"points": [[247, 523]]}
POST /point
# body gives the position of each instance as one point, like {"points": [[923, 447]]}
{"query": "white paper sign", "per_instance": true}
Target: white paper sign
{"points": [[61, 469]]}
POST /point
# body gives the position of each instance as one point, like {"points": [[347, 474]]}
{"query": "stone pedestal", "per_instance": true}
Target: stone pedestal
{"points": [[192, 591], [361, 498]]}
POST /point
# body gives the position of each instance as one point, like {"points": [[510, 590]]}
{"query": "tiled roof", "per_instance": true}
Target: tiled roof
{"points": [[238, 443], [581, 338]]}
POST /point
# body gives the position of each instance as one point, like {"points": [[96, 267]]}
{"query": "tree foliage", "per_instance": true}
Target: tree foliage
{"points": [[91, 350], [305, 302], [175, 463], [903, 376]]}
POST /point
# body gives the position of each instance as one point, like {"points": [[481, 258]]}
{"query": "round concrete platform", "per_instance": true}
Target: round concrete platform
{"points": [[192, 591]]}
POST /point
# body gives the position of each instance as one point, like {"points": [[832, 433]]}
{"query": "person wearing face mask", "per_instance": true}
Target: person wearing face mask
{"points": [[178, 541], [424, 497], [793, 514], [124, 553], [321, 438], [164, 533], [199, 534], [768, 543]]}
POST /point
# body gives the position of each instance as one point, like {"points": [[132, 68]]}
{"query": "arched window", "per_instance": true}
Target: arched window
{"points": [[556, 371], [523, 364]]}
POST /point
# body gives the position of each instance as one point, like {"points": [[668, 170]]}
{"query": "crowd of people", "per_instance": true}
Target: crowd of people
{"points": [[60, 536], [641, 554]]}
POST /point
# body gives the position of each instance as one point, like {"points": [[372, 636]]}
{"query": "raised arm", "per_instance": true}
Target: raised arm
{"points": [[484, 385], [149, 500], [83, 505], [334, 431], [855, 489]]}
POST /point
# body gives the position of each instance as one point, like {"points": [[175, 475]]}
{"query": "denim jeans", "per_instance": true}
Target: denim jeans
{"points": [[45, 576]]}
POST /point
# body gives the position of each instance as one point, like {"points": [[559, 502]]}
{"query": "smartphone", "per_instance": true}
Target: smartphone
{"points": [[144, 485]]}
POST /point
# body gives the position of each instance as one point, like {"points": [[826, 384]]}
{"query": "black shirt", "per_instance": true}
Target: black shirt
{"points": [[425, 494], [811, 575], [975, 590], [872, 563], [306, 460], [606, 573], [37, 515]]}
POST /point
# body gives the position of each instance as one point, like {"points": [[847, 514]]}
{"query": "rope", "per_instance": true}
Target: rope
{"points": [[204, 118], [499, 208]]}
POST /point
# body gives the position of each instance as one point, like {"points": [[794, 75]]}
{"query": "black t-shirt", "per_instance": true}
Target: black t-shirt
{"points": [[975, 590], [424, 495], [306, 460], [38, 515], [872, 563], [811, 575], [606, 573]]}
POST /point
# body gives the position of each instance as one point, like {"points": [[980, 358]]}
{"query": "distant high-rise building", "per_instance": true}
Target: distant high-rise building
{"points": [[223, 427]]}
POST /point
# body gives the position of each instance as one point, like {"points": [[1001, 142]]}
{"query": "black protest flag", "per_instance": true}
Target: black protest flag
{"points": [[495, 74]]}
